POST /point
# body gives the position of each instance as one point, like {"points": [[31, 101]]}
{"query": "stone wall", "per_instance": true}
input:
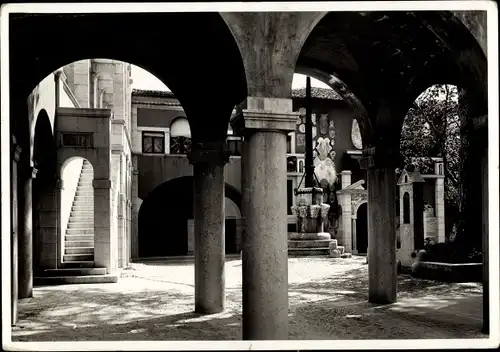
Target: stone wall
{"points": [[155, 170]]}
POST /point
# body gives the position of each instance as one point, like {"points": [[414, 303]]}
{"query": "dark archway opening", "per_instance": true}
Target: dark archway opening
{"points": [[164, 219], [362, 229], [44, 159]]}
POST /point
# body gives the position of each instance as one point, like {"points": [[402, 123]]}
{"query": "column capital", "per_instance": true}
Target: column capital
{"points": [[265, 114], [32, 171], [379, 157], [214, 153]]}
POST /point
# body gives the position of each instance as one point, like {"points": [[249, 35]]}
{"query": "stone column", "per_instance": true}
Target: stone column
{"points": [[382, 268], [16, 153], [479, 150], [345, 178], [208, 161], [50, 229], [26, 239], [264, 124], [134, 241], [440, 214], [354, 234], [346, 223], [103, 240]]}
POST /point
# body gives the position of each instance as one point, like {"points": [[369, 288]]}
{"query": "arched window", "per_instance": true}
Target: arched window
{"points": [[406, 178], [180, 136], [440, 167], [406, 208]]}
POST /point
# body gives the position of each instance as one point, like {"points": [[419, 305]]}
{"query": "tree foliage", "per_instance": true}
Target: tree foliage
{"points": [[432, 129]]}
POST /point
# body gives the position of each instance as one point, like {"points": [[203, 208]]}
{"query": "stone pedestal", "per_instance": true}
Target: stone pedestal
{"points": [[264, 125], [310, 212], [382, 266], [208, 161]]}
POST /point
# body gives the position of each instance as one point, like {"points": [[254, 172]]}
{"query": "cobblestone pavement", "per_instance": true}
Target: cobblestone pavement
{"points": [[328, 300]]}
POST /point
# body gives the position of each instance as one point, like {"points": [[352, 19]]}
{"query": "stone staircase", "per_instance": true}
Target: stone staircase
{"points": [[78, 266], [79, 237]]}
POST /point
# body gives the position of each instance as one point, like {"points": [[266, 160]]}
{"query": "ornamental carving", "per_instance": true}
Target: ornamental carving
{"points": [[356, 135]]}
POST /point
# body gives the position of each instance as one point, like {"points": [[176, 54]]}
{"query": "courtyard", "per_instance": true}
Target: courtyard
{"points": [[328, 300]]}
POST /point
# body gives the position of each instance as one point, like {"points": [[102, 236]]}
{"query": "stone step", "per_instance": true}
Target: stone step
{"points": [[77, 216], [78, 264], [80, 225], [78, 243], [308, 243], [80, 231], [87, 192], [81, 219], [74, 272], [78, 257], [79, 237], [82, 207], [78, 250], [68, 280], [308, 252]]}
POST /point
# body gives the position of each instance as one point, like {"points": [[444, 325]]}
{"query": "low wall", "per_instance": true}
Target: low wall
{"points": [[447, 272]]}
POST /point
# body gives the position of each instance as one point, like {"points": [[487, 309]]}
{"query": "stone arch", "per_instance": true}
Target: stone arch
{"points": [[356, 206], [383, 71], [155, 210], [203, 32]]}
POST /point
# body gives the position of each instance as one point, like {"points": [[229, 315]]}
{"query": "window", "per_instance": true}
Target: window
{"points": [[153, 142], [291, 164], [289, 196], [406, 208], [440, 167], [234, 145], [289, 144], [180, 136]]}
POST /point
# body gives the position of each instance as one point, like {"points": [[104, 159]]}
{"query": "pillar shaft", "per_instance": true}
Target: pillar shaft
{"points": [[14, 236], [354, 237], [265, 246], [104, 241], [265, 249], [382, 266], [26, 240], [209, 232]]}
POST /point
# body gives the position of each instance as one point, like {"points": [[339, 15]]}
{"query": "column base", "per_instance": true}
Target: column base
{"points": [[208, 311]]}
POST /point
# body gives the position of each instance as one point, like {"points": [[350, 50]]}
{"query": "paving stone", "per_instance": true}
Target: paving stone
{"points": [[328, 301]]}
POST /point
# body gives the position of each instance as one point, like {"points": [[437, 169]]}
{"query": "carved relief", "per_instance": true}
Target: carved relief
{"points": [[356, 135]]}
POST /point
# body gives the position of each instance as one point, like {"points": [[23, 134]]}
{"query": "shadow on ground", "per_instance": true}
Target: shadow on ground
{"points": [[331, 304]]}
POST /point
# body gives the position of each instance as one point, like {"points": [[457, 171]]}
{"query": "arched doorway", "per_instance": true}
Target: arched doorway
{"points": [[163, 219], [166, 220], [77, 211], [362, 229]]}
